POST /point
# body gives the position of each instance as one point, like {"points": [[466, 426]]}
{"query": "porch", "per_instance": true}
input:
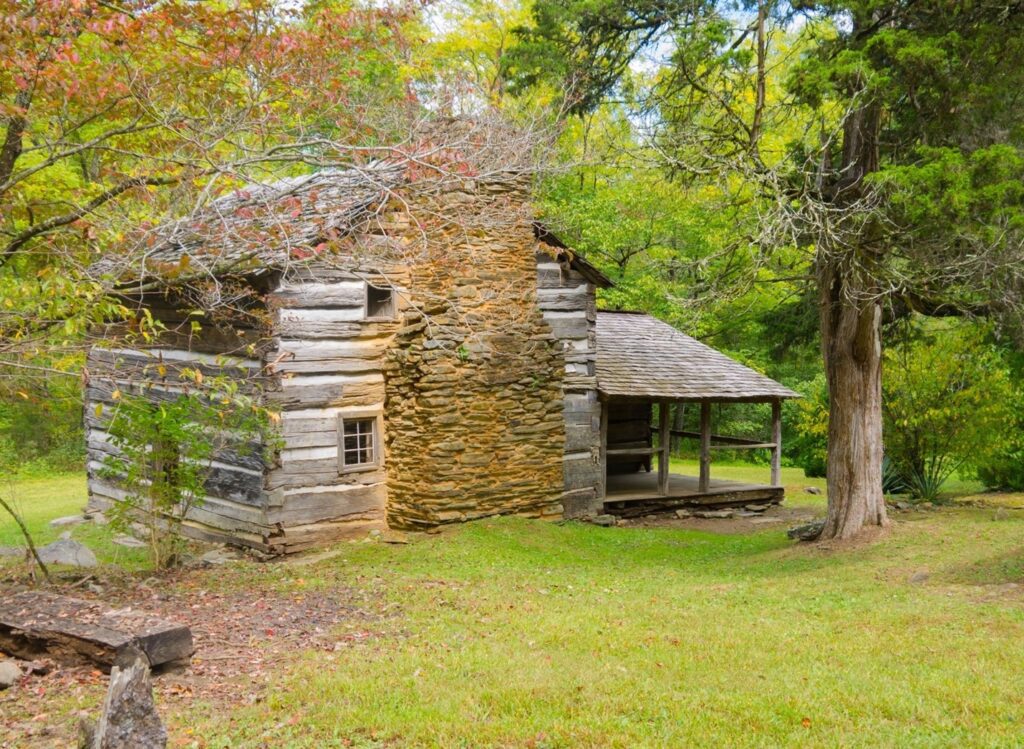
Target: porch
{"points": [[647, 373], [635, 494]]}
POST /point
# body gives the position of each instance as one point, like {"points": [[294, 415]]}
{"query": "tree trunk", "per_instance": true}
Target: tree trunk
{"points": [[852, 347], [851, 338]]}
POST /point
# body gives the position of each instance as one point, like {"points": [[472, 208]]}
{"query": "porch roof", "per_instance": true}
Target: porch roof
{"points": [[641, 357]]}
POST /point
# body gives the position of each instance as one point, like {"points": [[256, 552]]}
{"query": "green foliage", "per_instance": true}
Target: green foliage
{"points": [[41, 418], [1003, 466], [807, 443], [165, 455], [947, 404]]}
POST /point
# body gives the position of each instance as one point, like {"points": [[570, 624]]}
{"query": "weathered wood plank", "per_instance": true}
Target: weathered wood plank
{"points": [[148, 364], [705, 445], [626, 507], [330, 503], [209, 339], [580, 437], [776, 442], [562, 299], [36, 623], [251, 516], [302, 474], [300, 392], [568, 327], [580, 473], [664, 445], [334, 330], [319, 295]]}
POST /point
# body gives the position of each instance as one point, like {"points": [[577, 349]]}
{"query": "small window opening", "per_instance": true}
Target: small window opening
{"points": [[358, 443], [380, 302]]}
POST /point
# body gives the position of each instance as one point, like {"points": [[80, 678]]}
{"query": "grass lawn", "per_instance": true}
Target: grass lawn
{"points": [[517, 633], [40, 500]]}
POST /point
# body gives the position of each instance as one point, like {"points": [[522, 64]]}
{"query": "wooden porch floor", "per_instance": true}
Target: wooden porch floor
{"points": [[639, 491]]}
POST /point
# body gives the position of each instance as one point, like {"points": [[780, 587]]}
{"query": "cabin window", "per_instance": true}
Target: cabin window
{"points": [[359, 443], [380, 302]]}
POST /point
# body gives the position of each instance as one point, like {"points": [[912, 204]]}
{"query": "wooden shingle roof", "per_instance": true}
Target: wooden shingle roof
{"points": [[639, 356], [259, 226]]}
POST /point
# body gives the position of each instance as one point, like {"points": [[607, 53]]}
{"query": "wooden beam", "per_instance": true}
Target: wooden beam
{"points": [[745, 446], [777, 439], [633, 451], [604, 449], [664, 447], [35, 622], [705, 446], [723, 440]]}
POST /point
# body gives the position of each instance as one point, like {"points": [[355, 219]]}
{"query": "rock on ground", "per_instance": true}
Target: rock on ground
{"points": [[807, 532], [129, 719], [218, 557], [66, 551], [10, 672], [606, 521], [722, 514], [123, 539], [67, 520]]}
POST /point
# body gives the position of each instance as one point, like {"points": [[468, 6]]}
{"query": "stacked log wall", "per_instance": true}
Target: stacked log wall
{"points": [[327, 361], [233, 509], [568, 303]]}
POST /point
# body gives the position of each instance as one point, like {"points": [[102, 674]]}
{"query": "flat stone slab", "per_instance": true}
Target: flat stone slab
{"points": [[36, 623], [69, 552], [67, 520]]}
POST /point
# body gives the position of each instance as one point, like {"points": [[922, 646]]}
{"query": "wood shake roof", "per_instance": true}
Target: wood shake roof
{"points": [[258, 226], [639, 356]]}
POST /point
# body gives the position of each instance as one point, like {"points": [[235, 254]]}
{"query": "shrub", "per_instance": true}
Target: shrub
{"points": [[165, 453], [1003, 468], [946, 401], [808, 447]]}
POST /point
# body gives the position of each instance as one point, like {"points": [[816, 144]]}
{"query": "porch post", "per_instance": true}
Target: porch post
{"points": [[777, 440], [664, 447], [604, 448], [705, 446]]}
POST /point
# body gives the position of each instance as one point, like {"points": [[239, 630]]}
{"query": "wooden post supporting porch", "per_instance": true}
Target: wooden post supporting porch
{"points": [[776, 442], [705, 446], [664, 446], [604, 449]]}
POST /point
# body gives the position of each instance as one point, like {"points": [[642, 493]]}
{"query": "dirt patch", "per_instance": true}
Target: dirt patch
{"points": [[778, 517], [243, 639]]}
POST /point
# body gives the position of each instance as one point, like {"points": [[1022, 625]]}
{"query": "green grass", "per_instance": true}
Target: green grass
{"points": [[39, 500], [517, 633]]}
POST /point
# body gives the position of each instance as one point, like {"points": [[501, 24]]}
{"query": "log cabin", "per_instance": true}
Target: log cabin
{"points": [[433, 354]]}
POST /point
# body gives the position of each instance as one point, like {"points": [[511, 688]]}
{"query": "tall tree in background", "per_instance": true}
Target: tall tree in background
{"points": [[115, 114], [906, 195]]}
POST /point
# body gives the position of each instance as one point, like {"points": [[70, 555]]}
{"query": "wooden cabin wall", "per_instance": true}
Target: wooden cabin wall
{"points": [[629, 427], [234, 507], [327, 359], [568, 303]]}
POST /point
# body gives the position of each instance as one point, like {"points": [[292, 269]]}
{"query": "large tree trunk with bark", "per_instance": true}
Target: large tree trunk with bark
{"points": [[851, 340], [852, 347]]}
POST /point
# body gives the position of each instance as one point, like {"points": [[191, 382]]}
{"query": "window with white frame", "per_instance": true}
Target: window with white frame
{"points": [[358, 442]]}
